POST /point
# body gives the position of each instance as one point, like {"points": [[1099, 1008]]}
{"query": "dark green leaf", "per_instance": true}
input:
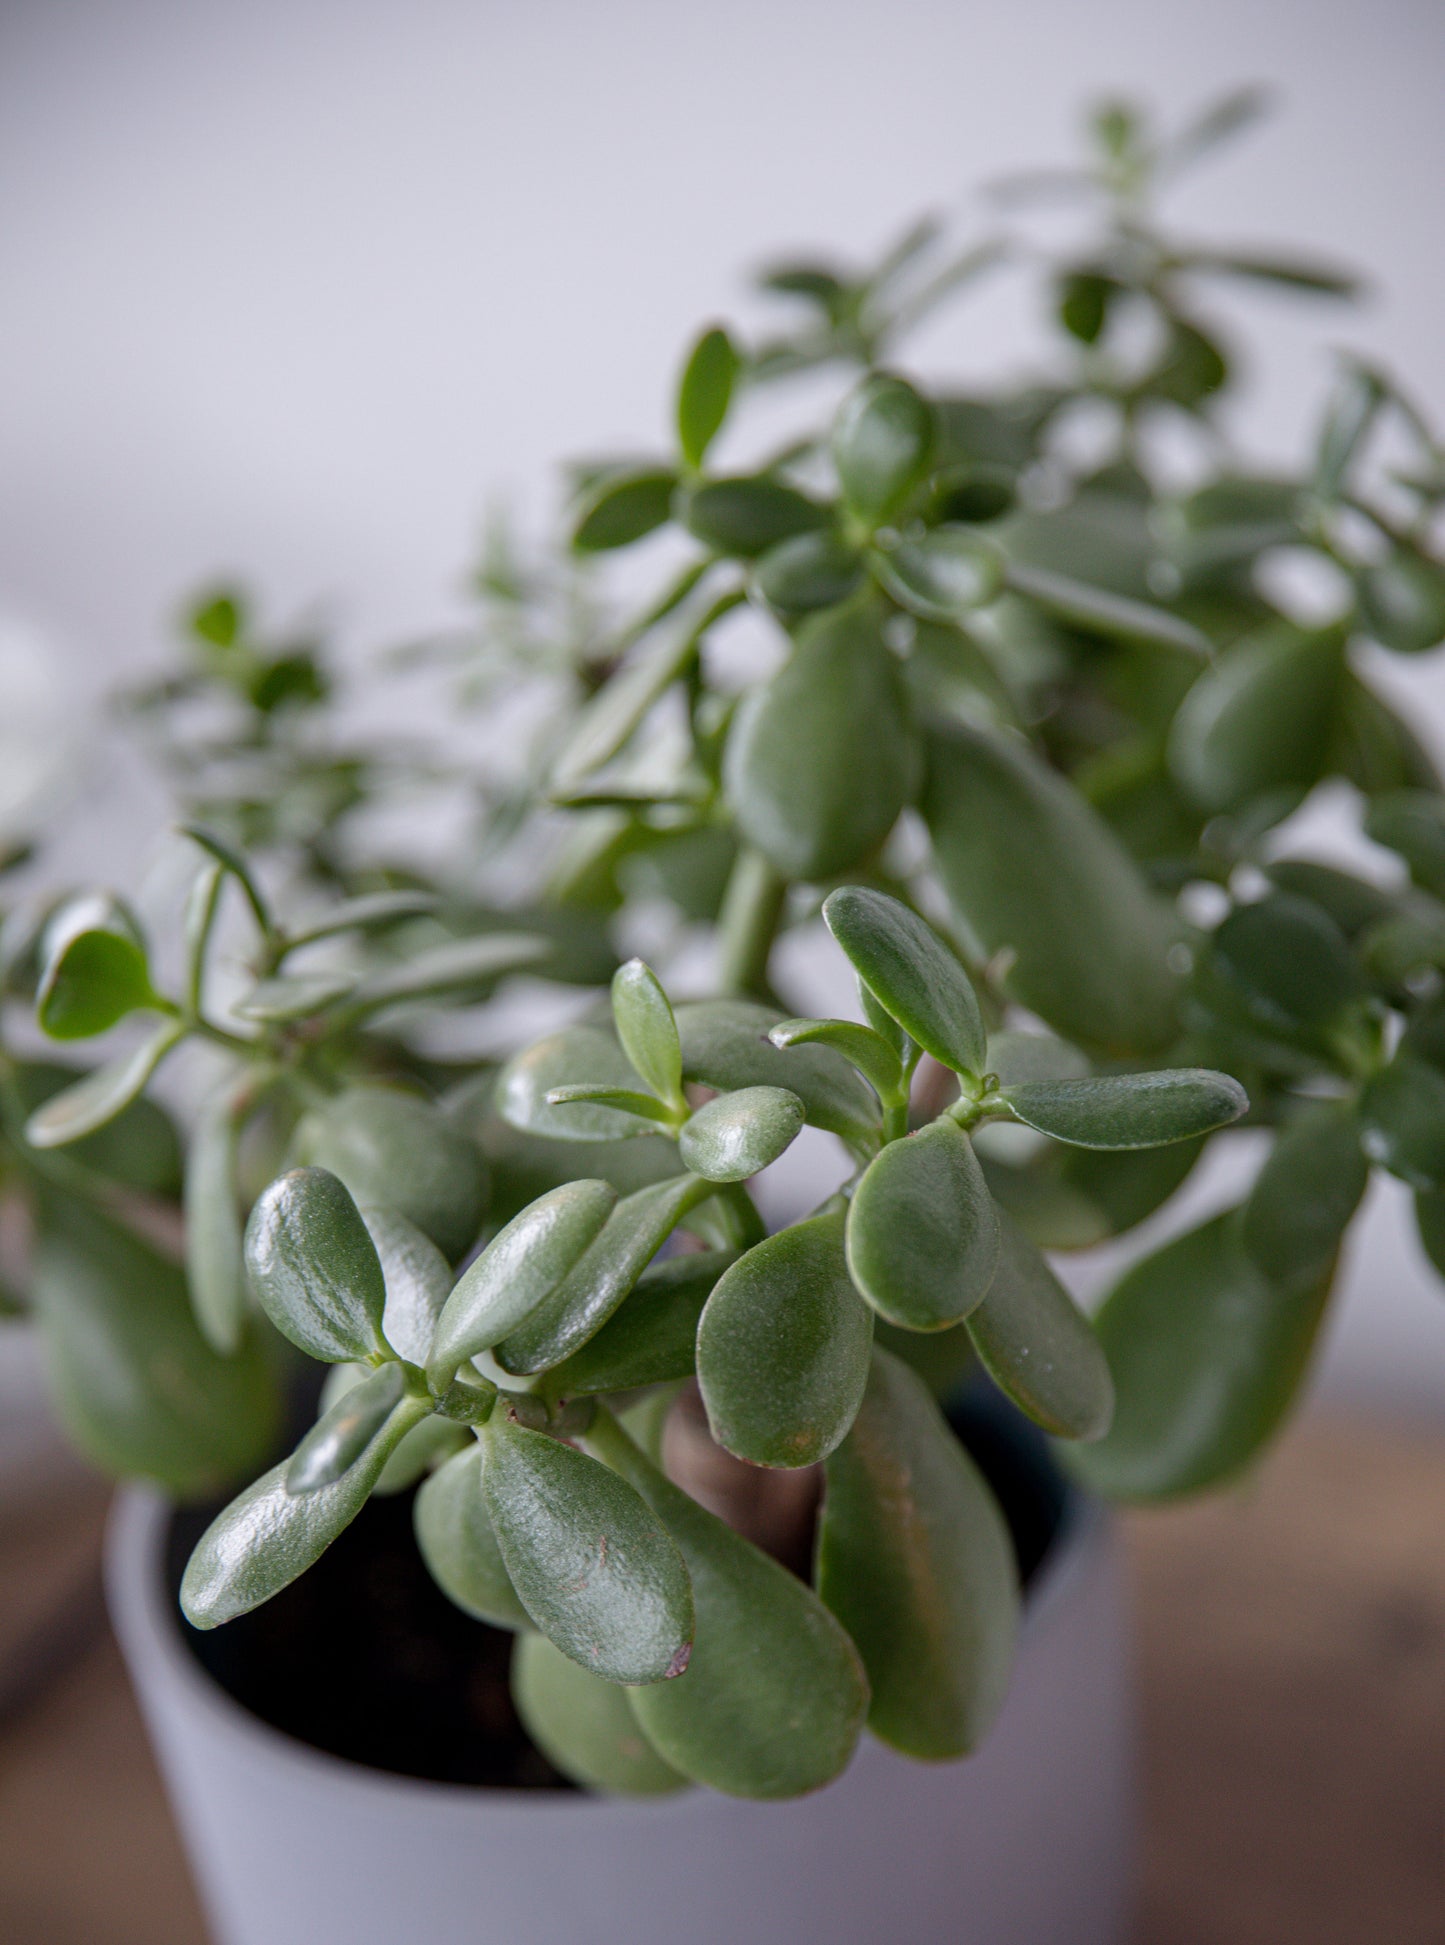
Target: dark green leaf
{"points": [[1207, 1356], [821, 759], [622, 508], [1084, 299], [575, 1055], [584, 1725], [812, 570], [883, 440], [705, 393], [1102, 613], [399, 1150], [746, 517], [522, 1265], [1290, 964], [1038, 1346], [314, 1267], [417, 1276], [1353, 903], [1412, 823], [1304, 1196], [343, 1432], [909, 969], [455, 1537], [1402, 1113], [652, 1339], [782, 1349], [725, 1045], [974, 493], [943, 575], [594, 1567], [863, 1047], [1430, 1222], [1192, 369], [1130, 1110], [1015, 1056], [737, 1135], [923, 1231], [1124, 1185], [645, 1027], [1259, 719], [90, 1103], [93, 969], [914, 1558]]}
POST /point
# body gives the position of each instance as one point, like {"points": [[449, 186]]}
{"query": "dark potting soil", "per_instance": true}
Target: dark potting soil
{"points": [[364, 1657]]}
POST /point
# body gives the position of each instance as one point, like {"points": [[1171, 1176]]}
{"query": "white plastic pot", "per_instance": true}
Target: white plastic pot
{"points": [[1028, 1843]]}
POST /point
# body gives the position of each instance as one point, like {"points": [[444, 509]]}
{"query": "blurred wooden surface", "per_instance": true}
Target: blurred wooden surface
{"points": [[1292, 1648]]}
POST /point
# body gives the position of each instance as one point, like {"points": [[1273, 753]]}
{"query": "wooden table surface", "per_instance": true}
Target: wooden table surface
{"points": [[1292, 1671]]}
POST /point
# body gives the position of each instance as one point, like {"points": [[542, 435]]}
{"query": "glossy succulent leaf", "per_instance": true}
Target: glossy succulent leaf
{"points": [[863, 1047], [1038, 1346], [89, 1104], [400, 1150], [1103, 613], [135, 1385], [922, 1230], [943, 575], [584, 1725], [594, 1567], [725, 1045], [705, 393], [1259, 719], [93, 969], [915, 1560], [647, 1030], [1402, 601], [1402, 1114], [1290, 964], [1129, 1110], [911, 972], [268, 1536], [573, 1056], [602, 1276], [215, 1270], [314, 1267], [1031, 870], [455, 1536], [652, 1338], [623, 507], [883, 441], [521, 1266], [341, 1435], [774, 1698], [736, 1135], [417, 1277], [782, 1348], [1412, 823], [1207, 1355], [746, 517], [812, 570], [621, 1100], [1305, 1195], [428, 1444], [821, 759]]}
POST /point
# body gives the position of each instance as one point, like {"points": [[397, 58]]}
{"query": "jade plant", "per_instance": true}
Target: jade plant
{"points": [[1050, 668]]}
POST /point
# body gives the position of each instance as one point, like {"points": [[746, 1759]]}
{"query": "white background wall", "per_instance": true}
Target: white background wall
{"points": [[296, 287]]}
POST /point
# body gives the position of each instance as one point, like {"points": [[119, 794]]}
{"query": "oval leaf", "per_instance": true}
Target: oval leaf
{"points": [[417, 1276], [915, 1559], [93, 969], [863, 1047], [909, 968], [725, 1045], [745, 517], [1304, 1196], [399, 1150], [1402, 1113], [455, 1537], [942, 576], [816, 570], [648, 1032], [923, 1231], [314, 1267], [1129, 1110], [1039, 1347], [343, 1432], [782, 1348], [736, 1135], [584, 1725], [622, 508], [883, 440], [705, 393], [90, 1103], [575, 1055], [1259, 719], [652, 1338]]}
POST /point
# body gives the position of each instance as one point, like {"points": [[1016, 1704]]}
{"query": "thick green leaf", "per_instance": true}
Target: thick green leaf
{"points": [[813, 570], [345, 1429], [604, 1274], [624, 1100], [912, 972], [417, 1276], [595, 1568], [774, 1698], [863, 1047], [215, 1270], [821, 759], [1353, 903], [455, 1537], [575, 1055], [522, 1265], [314, 1267], [93, 969], [915, 1560], [736, 1135], [584, 1725], [1208, 1356], [1304, 1196], [648, 1032], [1402, 601], [782, 1349], [133, 1381], [459, 970], [1402, 1114], [923, 1231], [748, 516], [1050, 1210], [1084, 300], [705, 393], [1124, 1184], [1031, 870], [1103, 613], [1412, 823], [400, 1150], [1259, 719], [269, 1536], [1038, 1346], [943, 575], [1129, 1110], [426, 1446], [622, 508], [883, 441], [725, 1045], [97, 1099], [1289, 963], [652, 1338]]}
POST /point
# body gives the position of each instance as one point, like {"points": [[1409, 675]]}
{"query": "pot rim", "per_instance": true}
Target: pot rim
{"points": [[148, 1629]]}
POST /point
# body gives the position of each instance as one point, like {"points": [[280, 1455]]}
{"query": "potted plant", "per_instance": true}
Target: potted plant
{"points": [[1033, 731]]}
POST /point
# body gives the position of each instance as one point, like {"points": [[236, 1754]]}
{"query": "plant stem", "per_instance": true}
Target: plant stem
{"points": [[748, 924]]}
